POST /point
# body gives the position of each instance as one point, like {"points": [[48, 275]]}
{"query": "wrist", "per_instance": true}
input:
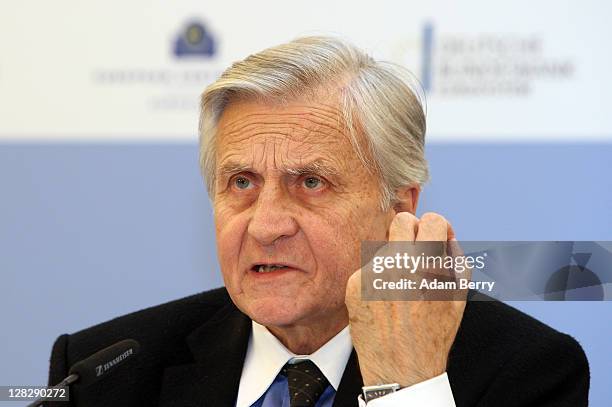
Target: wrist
{"points": [[403, 379]]}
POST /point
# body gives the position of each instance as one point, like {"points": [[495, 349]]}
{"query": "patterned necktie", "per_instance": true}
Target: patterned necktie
{"points": [[306, 383]]}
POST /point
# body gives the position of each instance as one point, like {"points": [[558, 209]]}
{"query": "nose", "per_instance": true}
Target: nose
{"points": [[272, 216]]}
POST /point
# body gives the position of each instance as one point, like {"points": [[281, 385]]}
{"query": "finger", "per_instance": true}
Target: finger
{"points": [[353, 285], [403, 227], [454, 248], [433, 228], [450, 232]]}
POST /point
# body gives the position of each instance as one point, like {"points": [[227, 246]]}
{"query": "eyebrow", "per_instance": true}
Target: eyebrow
{"points": [[320, 167]]}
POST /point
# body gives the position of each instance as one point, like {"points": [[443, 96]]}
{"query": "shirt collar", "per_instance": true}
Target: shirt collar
{"points": [[266, 356]]}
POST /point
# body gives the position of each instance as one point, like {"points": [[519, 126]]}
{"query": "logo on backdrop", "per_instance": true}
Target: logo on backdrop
{"points": [[194, 40], [170, 86], [481, 64]]}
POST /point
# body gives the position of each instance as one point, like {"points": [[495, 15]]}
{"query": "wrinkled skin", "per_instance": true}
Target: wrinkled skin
{"points": [[290, 190]]}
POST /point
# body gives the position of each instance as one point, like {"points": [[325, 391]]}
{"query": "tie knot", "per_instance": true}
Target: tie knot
{"points": [[306, 383]]}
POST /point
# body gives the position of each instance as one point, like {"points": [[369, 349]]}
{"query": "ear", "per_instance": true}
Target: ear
{"points": [[407, 199]]}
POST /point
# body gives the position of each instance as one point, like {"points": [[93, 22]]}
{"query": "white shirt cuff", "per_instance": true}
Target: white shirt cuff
{"points": [[435, 392]]}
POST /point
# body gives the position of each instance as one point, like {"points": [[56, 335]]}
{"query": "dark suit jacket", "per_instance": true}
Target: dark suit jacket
{"points": [[192, 352]]}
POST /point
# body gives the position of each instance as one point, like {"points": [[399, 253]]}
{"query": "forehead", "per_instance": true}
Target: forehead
{"points": [[295, 131]]}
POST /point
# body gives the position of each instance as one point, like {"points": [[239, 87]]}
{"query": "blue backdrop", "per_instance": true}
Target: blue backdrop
{"points": [[91, 231]]}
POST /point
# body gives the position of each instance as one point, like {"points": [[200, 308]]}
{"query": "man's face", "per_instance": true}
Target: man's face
{"points": [[290, 191]]}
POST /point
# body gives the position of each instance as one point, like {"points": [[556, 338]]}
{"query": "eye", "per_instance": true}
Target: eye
{"points": [[312, 182], [242, 182]]}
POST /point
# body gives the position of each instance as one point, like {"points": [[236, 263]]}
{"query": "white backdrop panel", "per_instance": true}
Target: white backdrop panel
{"points": [[492, 70]]}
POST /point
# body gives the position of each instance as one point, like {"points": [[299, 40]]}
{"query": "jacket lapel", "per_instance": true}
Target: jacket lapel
{"points": [[218, 347], [350, 385]]}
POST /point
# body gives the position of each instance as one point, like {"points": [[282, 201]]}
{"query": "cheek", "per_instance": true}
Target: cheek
{"points": [[370, 222], [344, 231], [229, 230], [335, 240]]}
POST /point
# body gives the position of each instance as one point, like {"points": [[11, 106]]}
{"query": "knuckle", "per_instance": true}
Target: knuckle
{"points": [[404, 219], [433, 218]]}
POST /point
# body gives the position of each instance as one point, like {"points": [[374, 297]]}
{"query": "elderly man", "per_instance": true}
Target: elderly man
{"points": [[309, 149]]}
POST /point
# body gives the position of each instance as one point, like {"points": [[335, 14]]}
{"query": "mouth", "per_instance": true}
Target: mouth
{"points": [[267, 268]]}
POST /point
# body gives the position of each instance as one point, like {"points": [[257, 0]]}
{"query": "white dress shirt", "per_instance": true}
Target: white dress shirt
{"points": [[266, 356]]}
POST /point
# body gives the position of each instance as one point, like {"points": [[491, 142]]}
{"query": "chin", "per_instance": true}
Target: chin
{"points": [[274, 311]]}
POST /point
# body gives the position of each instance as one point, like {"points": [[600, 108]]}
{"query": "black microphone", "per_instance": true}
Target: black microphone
{"points": [[98, 365]]}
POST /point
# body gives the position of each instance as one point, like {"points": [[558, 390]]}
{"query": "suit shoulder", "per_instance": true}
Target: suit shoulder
{"points": [[162, 326], [536, 344], [507, 325], [496, 340], [499, 347]]}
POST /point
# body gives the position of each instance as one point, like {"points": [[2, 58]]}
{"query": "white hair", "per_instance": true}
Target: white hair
{"points": [[379, 100]]}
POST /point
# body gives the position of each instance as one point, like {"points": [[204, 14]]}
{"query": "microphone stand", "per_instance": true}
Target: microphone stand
{"points": [[66, 382]]}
